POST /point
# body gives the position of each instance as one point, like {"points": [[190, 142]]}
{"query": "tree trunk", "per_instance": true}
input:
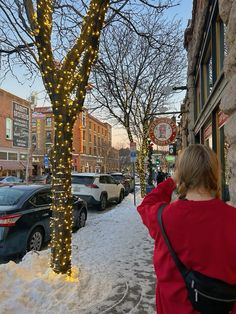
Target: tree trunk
{"points": [[61, 223]]}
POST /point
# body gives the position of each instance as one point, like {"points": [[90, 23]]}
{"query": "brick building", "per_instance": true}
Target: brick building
{"points": [[15, 132], [92, 144], [211, 97]]}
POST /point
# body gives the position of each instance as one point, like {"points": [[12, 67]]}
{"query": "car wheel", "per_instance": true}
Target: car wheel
{"points": [[103, 202], [35, 240], [121, 197], [81, 220]]}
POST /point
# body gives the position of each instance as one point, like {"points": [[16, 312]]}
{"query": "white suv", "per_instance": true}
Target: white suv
{"points": [[97, 189]]}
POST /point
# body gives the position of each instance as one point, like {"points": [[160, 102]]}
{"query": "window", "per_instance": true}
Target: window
{"points": [[34, 138], [48, 121], [90, 150], [95, 140], [90, 138], [33, 122], [12, 156], [84, 119], [48, 136], [197, 106], [98, 129], [84, 149], [224, 50], [41, 198], [82, 180], [3, 155], [9, 128], [90, 125], [84, 135], [209, 76], [34, 146], [102, 179], [94, 127], [48, 148]]}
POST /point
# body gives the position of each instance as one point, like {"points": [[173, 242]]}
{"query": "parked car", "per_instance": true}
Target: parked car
{"points": [[125, 179], [10, 180], [97, 189], [42, 179], [25, 215]]}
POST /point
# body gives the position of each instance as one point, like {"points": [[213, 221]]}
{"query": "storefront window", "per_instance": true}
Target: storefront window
{"points": [[3, 155], [12, 156]]}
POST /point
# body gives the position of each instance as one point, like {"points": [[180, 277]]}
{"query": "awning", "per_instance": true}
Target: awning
{"points": [[13, 165]]}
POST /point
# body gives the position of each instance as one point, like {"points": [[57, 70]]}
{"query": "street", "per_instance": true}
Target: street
{"points": [[113, 256]]}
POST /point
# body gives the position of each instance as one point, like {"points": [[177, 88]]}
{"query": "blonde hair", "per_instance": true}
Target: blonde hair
{"points": [[198, 167]]}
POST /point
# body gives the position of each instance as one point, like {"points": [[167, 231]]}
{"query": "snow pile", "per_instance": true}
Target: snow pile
{"points": [[112, 269]]}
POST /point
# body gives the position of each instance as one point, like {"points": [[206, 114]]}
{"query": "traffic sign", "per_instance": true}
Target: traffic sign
{"points": [[46, 161]]}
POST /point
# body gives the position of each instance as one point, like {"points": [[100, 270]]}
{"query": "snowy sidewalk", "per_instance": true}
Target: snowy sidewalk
{"points": [[114, 256]]}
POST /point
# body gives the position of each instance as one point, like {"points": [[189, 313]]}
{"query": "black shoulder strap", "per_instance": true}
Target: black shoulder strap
{"points": [[178, 262]]}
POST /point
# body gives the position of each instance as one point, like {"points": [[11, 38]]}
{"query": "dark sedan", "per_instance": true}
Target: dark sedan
{"points": [[25, 215]]}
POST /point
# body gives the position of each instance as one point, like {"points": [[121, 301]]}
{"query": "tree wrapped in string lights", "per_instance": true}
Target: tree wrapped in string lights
{"points": [[60, 81]]}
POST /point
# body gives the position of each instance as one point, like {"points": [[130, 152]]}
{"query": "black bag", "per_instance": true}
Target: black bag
{"points": [[207, 295]]}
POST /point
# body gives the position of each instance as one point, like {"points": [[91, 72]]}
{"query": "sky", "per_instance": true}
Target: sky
{"points": [[112, 268], [26, 88]]}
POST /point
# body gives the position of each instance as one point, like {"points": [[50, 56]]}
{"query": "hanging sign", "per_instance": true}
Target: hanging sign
{"points": [[162, 131]]}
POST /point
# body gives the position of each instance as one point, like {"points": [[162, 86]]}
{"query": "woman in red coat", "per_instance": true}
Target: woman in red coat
{"points": [[200, 227]]}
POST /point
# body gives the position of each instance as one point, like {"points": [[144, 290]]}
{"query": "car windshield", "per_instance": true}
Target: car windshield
{"points": [[82, 180], [10, 196]]}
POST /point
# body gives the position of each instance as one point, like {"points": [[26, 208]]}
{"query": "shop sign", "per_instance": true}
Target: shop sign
{"points": [[20, 125], [222, 117], [162, 131]]}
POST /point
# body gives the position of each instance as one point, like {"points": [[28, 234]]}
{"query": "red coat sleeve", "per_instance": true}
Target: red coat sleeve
{"points": [[152, 201]]}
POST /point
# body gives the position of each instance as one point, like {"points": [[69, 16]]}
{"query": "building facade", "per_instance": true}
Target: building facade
{"points": [[15, 134], [209, 109], [92, 144]]}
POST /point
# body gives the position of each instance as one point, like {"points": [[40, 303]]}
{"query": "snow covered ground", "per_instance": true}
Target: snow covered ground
{"points": [[112, 269]]}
